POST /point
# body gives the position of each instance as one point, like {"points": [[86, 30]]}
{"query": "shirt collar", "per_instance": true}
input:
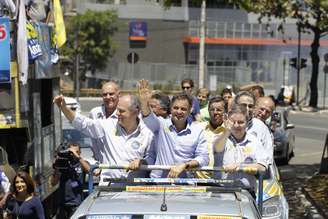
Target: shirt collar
{"points": [[216, 130], [113, 115], [121, 132], [187, 129], [249, 124], [244, 142]]}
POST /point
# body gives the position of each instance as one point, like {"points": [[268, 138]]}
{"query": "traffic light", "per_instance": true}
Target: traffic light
{"points": [[293, 62], [303, 63]]}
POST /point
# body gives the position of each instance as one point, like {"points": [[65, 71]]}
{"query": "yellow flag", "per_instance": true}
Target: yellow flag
{"points": [[59, 24]]}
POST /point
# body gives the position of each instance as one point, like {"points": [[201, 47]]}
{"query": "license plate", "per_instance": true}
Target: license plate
{"points": [[109, 216], [159, 216]]}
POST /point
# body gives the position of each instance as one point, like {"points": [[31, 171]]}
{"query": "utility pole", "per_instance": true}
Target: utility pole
{"points": [[201, 73], [298, 63]]}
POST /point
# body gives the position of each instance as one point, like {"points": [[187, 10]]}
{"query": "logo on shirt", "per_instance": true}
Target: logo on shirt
{"points": [[135, 145], [100, 115]]}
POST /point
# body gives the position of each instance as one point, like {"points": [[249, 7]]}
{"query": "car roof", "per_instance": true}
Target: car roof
{"points": [[228, 203]]}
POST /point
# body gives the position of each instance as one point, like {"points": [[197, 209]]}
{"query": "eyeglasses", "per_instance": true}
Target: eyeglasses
{"points": [[184, 88], [247, 105]]}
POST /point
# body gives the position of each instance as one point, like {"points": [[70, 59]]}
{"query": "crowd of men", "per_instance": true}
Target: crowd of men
{"points": [[184, 131]]}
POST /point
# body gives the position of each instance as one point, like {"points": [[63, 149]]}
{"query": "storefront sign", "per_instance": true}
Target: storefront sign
{"points": [[5, 50], [138, 30]]}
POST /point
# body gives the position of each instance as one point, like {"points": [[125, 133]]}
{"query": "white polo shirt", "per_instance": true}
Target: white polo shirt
{"points": [[249, 150], [258, 129], [119, 148], [99, 112]]}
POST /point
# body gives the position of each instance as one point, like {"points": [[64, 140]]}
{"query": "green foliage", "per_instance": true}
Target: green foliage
{"points": [[93, 31], [311, 15]]}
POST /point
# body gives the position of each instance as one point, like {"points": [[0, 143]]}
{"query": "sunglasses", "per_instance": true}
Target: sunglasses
{"points": [[186, 88]]}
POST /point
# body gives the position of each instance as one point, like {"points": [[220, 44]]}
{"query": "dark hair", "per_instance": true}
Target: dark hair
{"points": [[226, 90], [30, 185], [189, 81], [244, 93], [164, 101], [182, 96], [238, 109], [215, 99]]}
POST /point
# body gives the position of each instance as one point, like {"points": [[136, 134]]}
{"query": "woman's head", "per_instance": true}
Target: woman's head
{"points": [[238, 117], [23, 182]]}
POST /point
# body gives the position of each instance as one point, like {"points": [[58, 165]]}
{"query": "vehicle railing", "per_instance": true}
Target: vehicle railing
{"points": [[241, 168]]}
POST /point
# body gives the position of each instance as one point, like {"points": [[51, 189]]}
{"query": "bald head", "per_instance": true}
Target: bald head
{"points": [[264, 108], [128, 109]]}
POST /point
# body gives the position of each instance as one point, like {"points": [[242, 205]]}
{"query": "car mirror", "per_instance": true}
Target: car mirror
{"points": [[290, 126]]}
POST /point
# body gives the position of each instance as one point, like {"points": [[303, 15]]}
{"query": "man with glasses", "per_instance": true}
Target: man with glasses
{"points": [[255, 126], [187, 86], [160, 104]]}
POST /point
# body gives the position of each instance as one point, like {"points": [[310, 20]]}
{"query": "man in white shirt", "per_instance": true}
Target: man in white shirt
{"points": [[110, 93], [255, 126], [263, 108], [127, 141]]}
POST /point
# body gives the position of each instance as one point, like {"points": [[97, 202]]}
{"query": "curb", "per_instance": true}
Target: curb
{"points": [[312, 210]]}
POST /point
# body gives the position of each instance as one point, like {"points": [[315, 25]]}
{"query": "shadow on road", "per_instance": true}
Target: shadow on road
{"points": [[293, 178]]}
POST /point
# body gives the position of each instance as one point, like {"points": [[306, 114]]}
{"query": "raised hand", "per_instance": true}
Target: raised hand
{"points": [[144, 90], [144, 96], [59, 100]]}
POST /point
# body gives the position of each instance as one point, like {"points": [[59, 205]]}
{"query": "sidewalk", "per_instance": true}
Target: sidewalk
{"points": [[309, 110]]}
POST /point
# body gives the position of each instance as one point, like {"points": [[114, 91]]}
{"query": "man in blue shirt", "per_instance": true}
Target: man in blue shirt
{"points": [[179, 141]]}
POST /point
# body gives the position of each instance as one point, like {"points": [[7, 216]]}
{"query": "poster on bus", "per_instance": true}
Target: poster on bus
{"points": [[5, 50]]}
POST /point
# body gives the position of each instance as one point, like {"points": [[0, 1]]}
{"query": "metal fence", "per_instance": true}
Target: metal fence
{"points": [[165, 76], [168, 76]]}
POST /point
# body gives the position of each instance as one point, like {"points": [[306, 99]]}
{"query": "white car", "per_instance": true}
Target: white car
{"points": [[275, 205]]}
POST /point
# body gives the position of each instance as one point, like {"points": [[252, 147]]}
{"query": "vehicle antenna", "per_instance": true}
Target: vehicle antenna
{"points": [[164, 206]]}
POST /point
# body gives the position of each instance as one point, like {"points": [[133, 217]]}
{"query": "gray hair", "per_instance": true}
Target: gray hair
{"points": [[244, 93], [134, 102]]}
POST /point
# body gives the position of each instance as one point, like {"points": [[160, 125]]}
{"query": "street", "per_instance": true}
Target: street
{"points": [[310, 131]]}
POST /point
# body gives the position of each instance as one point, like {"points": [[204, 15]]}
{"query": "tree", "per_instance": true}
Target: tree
{"points": [[311, 15], [90, 36]]}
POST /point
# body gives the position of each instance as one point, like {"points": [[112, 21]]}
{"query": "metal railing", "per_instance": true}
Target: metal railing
{"points": [[218, 29], [191, 181]]}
